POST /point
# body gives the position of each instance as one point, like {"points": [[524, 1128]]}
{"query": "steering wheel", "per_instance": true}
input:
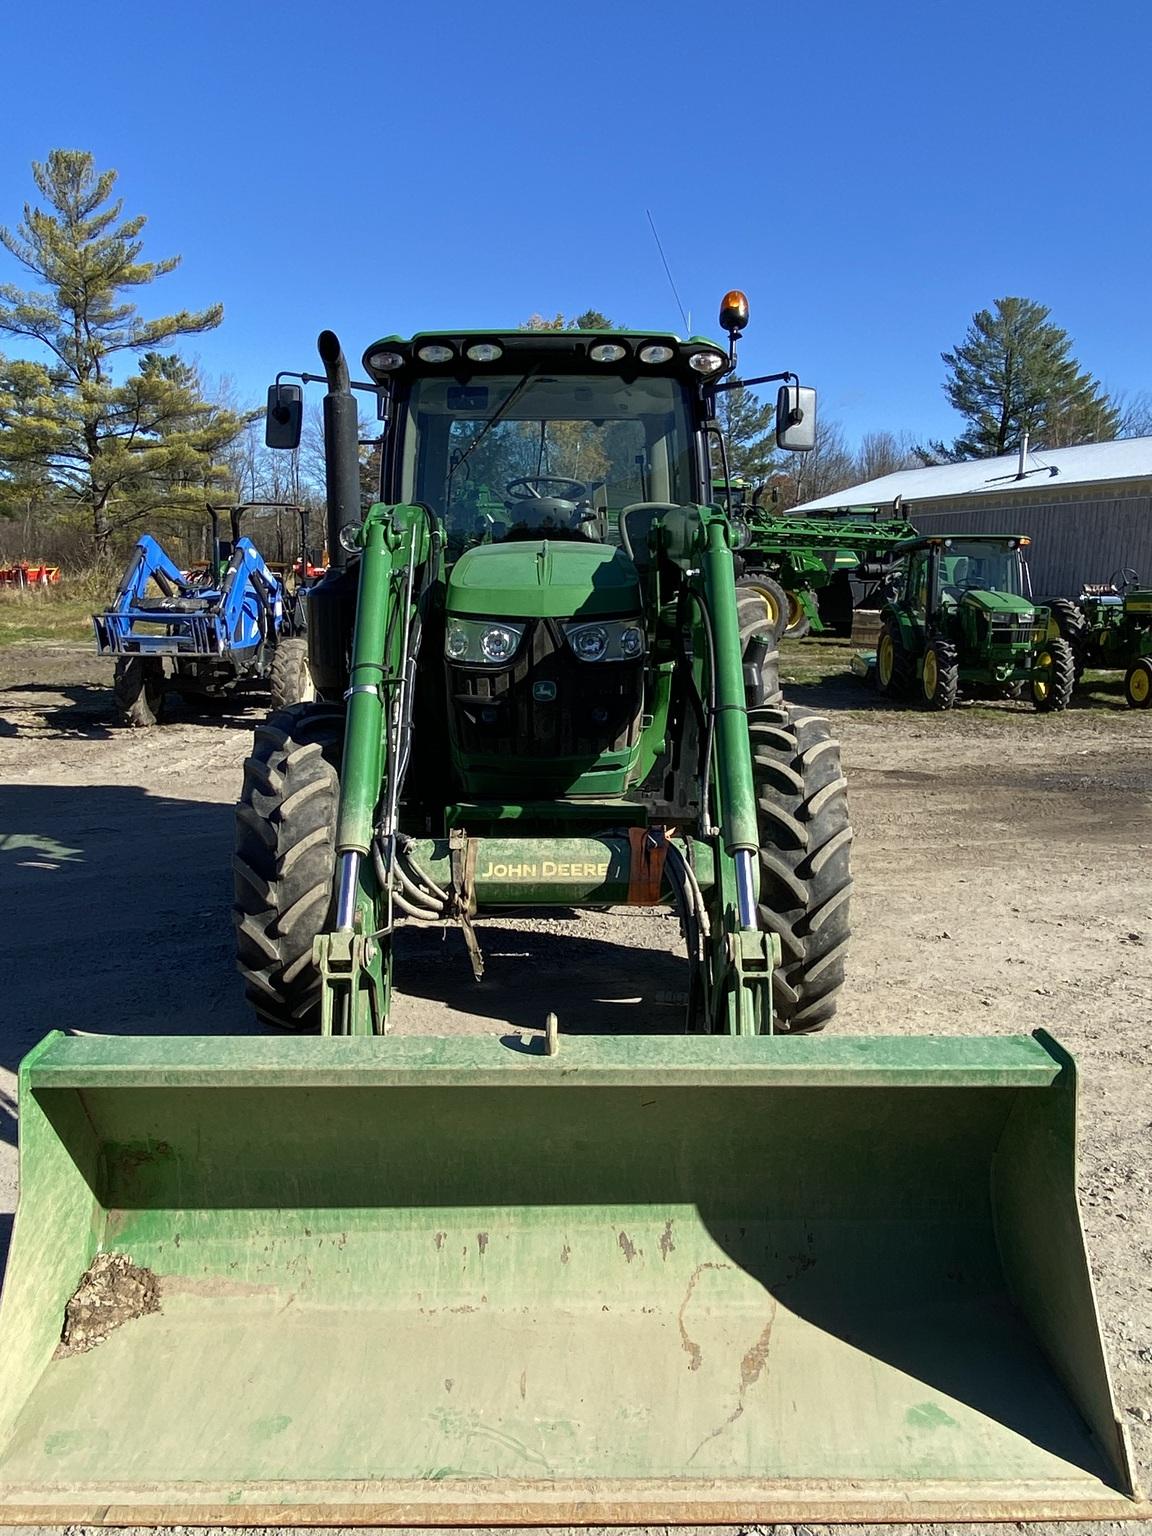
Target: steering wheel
{"points": [[573, 490], [1124, 579]]}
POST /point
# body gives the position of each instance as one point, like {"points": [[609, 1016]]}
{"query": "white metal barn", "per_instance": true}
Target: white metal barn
{"points": [[1088, 510]]}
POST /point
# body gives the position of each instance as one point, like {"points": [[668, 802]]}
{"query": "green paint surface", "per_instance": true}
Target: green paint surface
{"points": [[544, 578], [431, 1262]]}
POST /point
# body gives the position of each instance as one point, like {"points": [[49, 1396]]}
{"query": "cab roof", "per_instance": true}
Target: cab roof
{"points": [[567, 351], [926, 541]]}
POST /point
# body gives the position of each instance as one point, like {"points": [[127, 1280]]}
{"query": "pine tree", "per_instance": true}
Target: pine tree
{"points": [[118, 450], [748, 426], [1013, 374], [587, 320]]}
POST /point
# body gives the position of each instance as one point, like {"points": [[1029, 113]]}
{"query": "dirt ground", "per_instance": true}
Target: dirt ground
{"points": [[1003, 882]]}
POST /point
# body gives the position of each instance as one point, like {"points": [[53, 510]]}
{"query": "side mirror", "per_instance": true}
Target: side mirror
{"points": [[796, 418], [284, 419]]}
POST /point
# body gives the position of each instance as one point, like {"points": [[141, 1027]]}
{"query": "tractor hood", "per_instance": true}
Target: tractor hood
{"points": [[997, 604], [544, 578]]}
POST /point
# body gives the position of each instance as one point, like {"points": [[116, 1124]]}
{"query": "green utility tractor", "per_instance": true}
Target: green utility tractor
{"points": [[1110, 630], [741, 1274], [541, 680], [964, 622]]}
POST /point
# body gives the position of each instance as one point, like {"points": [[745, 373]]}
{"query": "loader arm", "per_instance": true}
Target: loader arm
{"points": [[149, 563], [396, 547], [247, 572]]}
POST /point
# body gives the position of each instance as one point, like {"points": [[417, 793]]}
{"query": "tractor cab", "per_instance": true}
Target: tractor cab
{"points": [[545, 459], [982, 575]]}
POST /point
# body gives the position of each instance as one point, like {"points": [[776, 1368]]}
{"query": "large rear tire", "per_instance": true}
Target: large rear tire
{"points": [[289, 676], [1066, 621], [1052, 690], [138, 688], [284, 860], [805, 861]]}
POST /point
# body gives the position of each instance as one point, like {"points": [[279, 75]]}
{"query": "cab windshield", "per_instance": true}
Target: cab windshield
{"points": [[980, 567], [546, 455]]}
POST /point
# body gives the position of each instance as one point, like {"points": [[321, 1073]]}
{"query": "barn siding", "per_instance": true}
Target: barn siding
{"points": [[1073, 541]]}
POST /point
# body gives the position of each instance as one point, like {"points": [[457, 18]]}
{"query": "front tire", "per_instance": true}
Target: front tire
{"points": [[895, 668], [805, 869], [284, 860], [1052, 690], [1138, 684], [940, 679], [138, 688], [289, 677], [799, 623], [758, 600]]}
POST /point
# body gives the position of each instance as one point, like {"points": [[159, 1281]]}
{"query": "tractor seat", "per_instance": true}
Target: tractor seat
{"points": [[172, 604], [635, 522]]}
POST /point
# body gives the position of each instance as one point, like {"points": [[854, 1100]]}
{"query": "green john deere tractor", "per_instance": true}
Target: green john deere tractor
{"points": [[741, 1274], [1110, 630], [964, 622]]}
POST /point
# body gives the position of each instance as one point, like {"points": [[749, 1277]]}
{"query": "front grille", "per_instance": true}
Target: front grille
{"points": [[1008, 633], [547, 704]]}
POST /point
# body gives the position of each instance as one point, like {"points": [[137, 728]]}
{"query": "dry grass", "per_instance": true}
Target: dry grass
{"points": [[60, 614]]}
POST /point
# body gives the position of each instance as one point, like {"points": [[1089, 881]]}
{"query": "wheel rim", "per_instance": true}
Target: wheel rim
{"points": [[771, 606], [1040, 686], [885, 659], [795, 610], [1140, 685], [931, 675]]}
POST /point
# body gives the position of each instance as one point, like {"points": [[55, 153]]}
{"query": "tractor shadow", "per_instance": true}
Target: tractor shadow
{"points": [[593, 985], [118, 916], [87, 711], [69, 710], [841, 691]]}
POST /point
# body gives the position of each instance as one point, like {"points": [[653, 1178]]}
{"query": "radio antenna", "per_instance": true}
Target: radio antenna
{"points": [[668, 270]]}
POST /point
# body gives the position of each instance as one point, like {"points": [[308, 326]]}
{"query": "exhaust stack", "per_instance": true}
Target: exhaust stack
{"points": [[341, 447]]}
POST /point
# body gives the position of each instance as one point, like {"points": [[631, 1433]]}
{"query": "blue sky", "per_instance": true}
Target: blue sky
{"points": [[870, 173]]}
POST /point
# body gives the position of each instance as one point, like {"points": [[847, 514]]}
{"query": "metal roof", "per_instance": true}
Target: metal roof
{"points": [[1091, 463]]}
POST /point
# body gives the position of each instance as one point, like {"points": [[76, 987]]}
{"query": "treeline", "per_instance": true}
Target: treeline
{"points": [[106, 429]]}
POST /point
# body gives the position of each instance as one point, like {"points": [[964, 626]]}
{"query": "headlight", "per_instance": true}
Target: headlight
{"points": [[499, 643], [706, 362], [385, 362], [435, 353], [589, 642], [656, 354], [607, 352], [484, 352], [482, 642], [614, 640]]}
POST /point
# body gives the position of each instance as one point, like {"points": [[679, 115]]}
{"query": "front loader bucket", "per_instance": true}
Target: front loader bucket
{"points": [[462, 1281]]}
